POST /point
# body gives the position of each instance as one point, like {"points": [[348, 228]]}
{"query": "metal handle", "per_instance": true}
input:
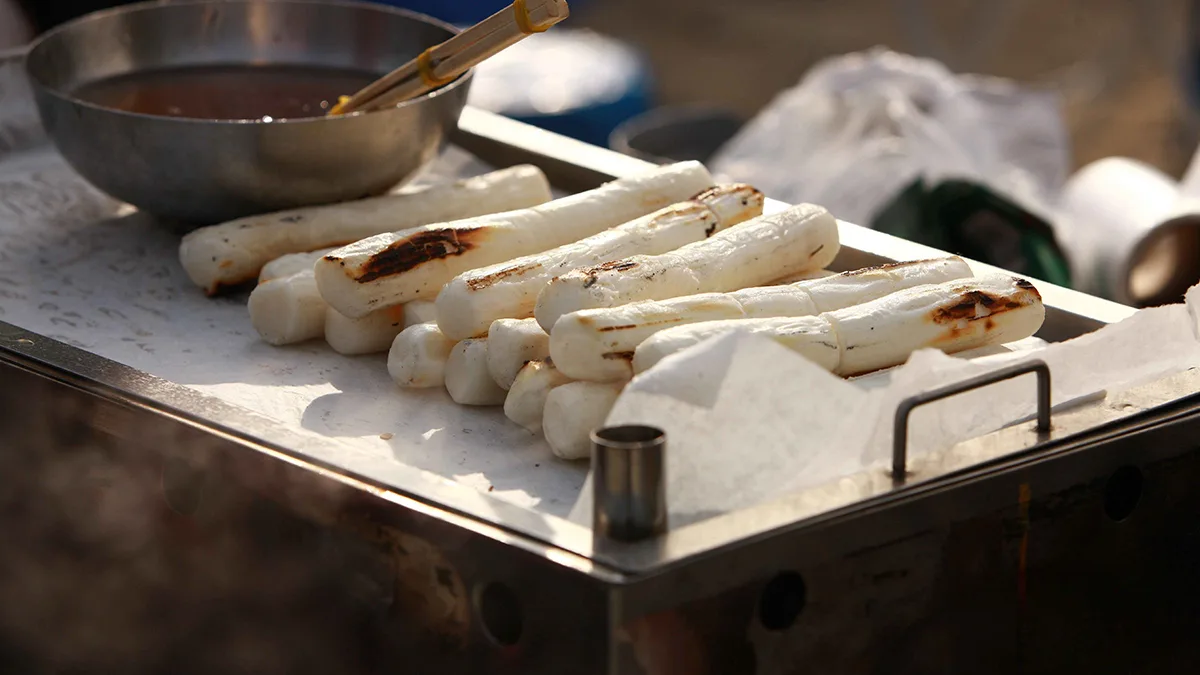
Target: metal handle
{"points": [[629, 484], [900, 430]]}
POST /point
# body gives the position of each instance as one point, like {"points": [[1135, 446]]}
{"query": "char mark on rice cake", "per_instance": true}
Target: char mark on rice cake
{"points": [[480, 283], [418, 249]]}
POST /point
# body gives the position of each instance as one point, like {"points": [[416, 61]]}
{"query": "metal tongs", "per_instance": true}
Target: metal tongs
{"points": [[444, 62]]}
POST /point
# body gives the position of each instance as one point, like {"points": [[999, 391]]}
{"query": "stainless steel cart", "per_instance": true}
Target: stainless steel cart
{"points": [[149, 527]]}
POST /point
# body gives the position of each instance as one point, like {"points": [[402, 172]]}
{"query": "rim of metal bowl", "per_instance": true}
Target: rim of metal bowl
{"points": [[155, 4]]}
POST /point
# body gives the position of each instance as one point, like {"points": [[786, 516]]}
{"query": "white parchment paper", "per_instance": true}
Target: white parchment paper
{"points": [[748, 421], [78, 267]]}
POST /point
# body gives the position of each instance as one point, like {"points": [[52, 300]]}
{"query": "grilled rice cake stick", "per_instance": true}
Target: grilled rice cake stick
{"points": [[467, 378], [881, 378], [288, 310], [419, 311], [803, 276], [231, 254], [511, 344], [572, 411], [526, 400], [804, 237], [414, 264], [953, 316], [287, 265], [472, 300], [371, 334], [1025, 345], [417, 359], [597, 344], [285, 311], [856, 287]]}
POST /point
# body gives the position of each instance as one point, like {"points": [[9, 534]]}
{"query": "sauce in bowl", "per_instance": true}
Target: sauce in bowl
{"points": [[228, 92]]}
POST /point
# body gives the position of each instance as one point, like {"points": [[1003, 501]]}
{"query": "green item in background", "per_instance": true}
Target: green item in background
{"points": [[970, 220]]}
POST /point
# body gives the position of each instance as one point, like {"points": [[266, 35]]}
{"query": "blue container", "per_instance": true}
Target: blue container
{"points": [[676, 133], [595, 123], [573, 82], [460, 12]]}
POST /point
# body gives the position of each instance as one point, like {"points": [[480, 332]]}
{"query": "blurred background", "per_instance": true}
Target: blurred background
{"points": [[1065, 167], [1068, 162], [1121, 64]]}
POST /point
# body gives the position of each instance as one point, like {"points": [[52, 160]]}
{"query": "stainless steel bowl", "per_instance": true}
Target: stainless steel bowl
{"points": [[205, 171]]}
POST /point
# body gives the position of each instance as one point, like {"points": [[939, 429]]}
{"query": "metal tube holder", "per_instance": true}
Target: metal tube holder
{"points": [[629, 490]]}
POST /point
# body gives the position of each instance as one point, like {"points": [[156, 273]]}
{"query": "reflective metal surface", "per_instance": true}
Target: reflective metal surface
{"points": [[206, 171], [255, 437], [320, 568], [141, 541]]}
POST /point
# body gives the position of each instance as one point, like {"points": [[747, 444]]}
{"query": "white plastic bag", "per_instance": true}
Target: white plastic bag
{"points": [[860, 128]]}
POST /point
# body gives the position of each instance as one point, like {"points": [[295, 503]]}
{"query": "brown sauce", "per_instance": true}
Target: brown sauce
{"points": [[227, 92]]}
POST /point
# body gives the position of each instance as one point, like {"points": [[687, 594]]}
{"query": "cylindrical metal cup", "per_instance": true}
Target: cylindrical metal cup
{"points": [[629, 482]]}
